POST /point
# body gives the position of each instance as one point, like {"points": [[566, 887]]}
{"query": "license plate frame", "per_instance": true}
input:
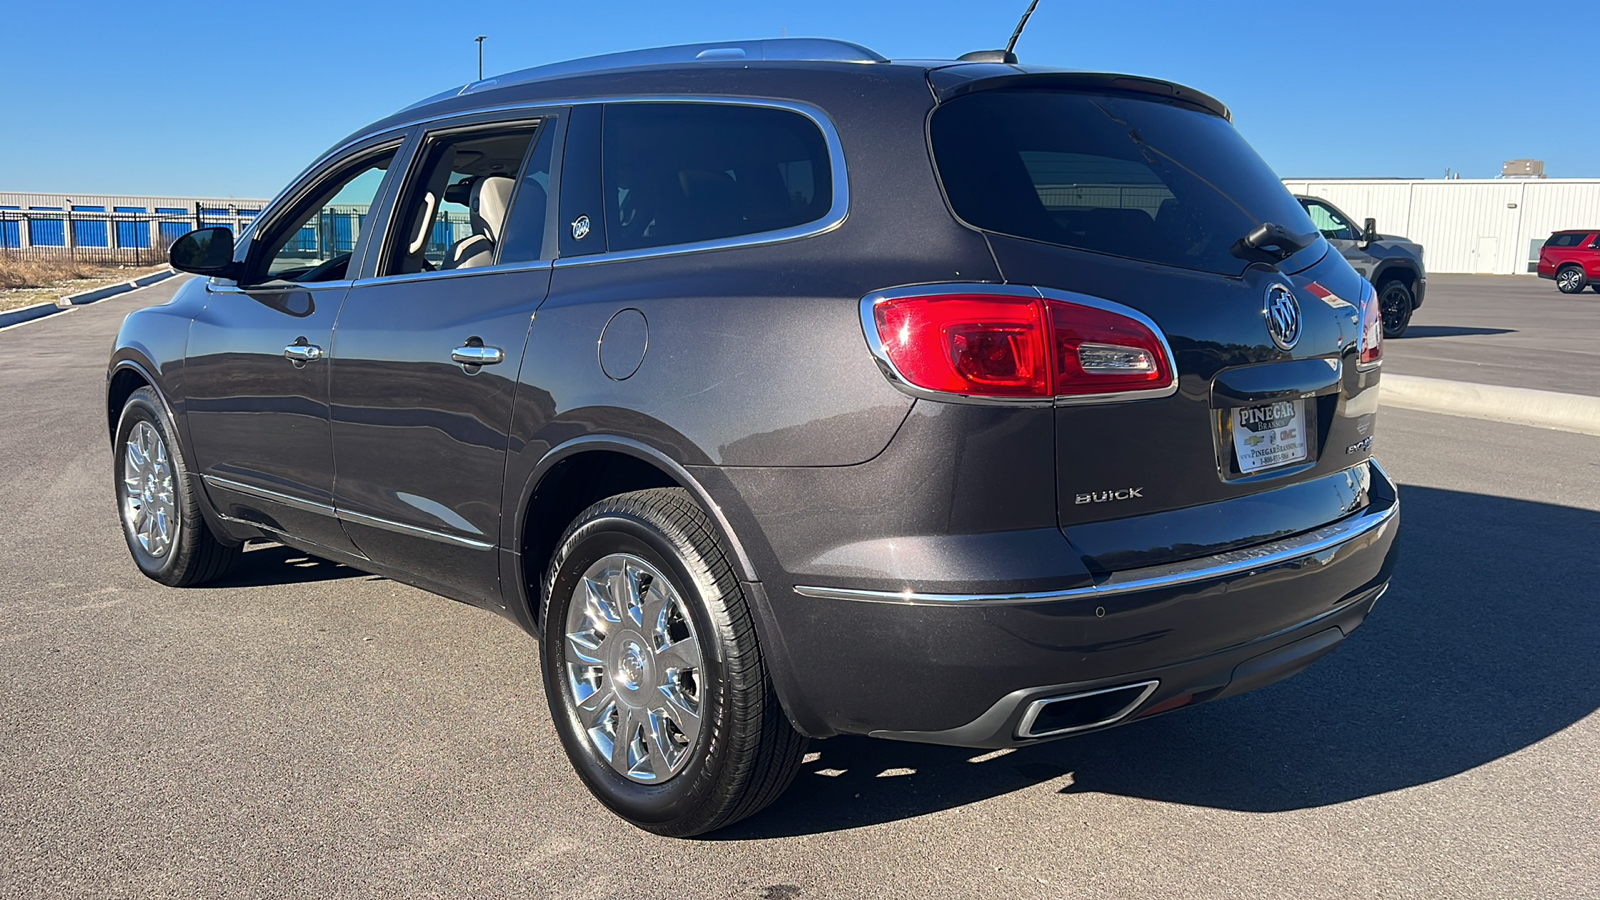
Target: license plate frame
{"points": [[1268, 436]]}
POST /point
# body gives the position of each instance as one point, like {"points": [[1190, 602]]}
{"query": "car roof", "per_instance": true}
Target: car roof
{"points": [[948, 78]]}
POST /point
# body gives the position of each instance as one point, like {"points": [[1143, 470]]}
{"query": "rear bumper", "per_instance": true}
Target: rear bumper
{"points": [[970, 669]]}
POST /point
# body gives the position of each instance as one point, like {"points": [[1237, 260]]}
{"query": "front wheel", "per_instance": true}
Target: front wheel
{"points": [[652, 669], [1395, 303], [1571, 280], [161, 520]]}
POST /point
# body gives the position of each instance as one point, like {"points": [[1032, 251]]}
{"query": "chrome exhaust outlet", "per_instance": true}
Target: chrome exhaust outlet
{"points": [[1054, 716]]}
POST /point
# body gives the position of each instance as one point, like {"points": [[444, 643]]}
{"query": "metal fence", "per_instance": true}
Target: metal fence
{"points": [[112, 237]]}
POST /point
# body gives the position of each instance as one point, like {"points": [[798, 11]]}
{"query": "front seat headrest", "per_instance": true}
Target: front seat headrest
{"points": [[490, 198]]}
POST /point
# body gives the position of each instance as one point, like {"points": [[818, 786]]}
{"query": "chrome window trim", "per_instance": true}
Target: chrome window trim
{"points": [[454, 273], [412, 530], [836, 215], [838, 209], [223, 286], [1025, 727], [869, 329], [1325, 540], [266, 494]]}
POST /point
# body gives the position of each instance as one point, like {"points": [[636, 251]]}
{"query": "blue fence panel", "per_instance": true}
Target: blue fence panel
{"points": [[10, 234], [132, 234], [343, 233], [90, 234], [47, 232], [171, 231]]}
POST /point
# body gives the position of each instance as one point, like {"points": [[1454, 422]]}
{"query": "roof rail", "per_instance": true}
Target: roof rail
{"points": [[772, 49]]}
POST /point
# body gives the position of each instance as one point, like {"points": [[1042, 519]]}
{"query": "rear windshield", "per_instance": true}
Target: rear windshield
{"points": [[1137, 178]]}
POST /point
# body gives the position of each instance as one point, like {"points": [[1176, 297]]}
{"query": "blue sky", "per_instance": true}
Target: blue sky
{"points": [[234, 98]]}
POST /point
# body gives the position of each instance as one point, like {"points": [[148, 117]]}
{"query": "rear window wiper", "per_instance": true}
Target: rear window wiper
{"points": [[1270, 242]]}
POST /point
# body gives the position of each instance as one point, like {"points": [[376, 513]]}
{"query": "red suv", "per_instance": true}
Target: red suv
{"points": [[1572, 258]]}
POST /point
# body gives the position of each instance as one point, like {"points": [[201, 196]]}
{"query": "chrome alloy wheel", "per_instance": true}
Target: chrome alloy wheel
{"points": [[1569, 280], [633, 666], [148, 507]]}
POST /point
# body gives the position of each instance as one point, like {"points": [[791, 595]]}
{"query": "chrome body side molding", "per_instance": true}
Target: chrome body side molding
{"points": [[342, 515]]}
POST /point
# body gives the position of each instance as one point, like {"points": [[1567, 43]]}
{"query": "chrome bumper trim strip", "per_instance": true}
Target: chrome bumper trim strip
{"points": [[1319, 541]]}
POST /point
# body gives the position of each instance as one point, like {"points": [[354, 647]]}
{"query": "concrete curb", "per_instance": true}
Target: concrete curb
{"points": [[1521, 406], [27, 314], [47, 308], [112, 290]]}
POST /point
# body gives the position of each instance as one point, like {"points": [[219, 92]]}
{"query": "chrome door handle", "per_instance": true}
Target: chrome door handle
{"points": [[301, 354], [478, 356]]}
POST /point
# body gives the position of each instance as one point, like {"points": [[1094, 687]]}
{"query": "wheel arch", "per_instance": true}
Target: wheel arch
{"points": [[1399, 270], [577, 473], [646, 467], [126, 376]]}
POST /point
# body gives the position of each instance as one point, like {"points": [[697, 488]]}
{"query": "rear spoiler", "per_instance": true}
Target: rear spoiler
{"points": [[953, 81]]}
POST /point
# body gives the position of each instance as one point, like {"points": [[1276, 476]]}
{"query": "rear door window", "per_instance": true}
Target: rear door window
{"points": [[1139, 178], [1564, 240], [684, 173], [454, 214]]}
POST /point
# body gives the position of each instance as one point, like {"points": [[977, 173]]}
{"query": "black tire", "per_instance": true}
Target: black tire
{"points": [[191, 554], [745, 753], [1396, 304], [1571, 280]]}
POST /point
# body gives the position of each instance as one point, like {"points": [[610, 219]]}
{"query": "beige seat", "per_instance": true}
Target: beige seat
{"points": [[491, 196]]}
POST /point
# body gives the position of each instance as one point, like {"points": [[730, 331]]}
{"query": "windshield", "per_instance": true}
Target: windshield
{"points": [[1138, 178]]}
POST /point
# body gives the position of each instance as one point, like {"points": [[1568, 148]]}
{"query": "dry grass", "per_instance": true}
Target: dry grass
{"points": [[36, 279]]}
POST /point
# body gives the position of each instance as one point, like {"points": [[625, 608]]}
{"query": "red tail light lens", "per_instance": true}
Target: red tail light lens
{"points": [[998, 345], [1371, 327], [967, 343], [1100, 352]]}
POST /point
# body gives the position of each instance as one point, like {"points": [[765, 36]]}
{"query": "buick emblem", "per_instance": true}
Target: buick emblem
{"points": [[580, 228], [1283, 317]]}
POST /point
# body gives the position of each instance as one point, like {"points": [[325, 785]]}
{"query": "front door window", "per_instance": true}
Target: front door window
{"points": [[315, 241]]}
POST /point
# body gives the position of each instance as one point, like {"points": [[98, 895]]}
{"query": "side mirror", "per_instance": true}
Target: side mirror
{"points": [[1369, 232], [208, 251]]}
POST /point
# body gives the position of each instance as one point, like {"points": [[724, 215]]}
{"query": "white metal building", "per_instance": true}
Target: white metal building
{"points": [[1482, 226]]}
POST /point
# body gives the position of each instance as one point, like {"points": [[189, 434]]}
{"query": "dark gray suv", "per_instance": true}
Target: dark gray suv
{"points": [[785, 391]]}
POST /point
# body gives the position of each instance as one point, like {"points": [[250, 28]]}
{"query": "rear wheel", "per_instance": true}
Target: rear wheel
{"points": [[169, 538], [1395, 303], [653, 673], [1571, 280]]}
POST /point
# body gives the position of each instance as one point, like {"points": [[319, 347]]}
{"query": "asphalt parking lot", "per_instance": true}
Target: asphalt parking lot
{"points": [[1508, 330], [309, 730]]}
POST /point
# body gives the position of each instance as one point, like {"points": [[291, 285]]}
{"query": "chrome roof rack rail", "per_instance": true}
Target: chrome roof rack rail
{"points": [[771, 49]]}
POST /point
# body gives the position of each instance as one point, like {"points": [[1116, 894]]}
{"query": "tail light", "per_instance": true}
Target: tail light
{"points": [[1371, 327], [1018, 346]]}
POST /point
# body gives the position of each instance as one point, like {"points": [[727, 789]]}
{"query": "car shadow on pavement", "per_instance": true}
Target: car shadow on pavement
{"points": [[269, 564], [1484, 646], [1429, 331]]}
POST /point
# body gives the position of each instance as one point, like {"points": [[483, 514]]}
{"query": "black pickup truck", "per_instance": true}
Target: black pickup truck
{"points": [[1393, 264]]}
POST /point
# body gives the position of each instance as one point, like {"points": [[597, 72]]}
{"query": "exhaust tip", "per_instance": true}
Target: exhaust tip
{"points": [[1054, 716]]}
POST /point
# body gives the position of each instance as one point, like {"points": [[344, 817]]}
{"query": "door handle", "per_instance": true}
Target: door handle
{"points": [[477, 355], [301, 353]]}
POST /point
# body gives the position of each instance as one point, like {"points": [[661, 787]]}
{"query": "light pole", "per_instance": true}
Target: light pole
{"points": [[479, 39]]}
